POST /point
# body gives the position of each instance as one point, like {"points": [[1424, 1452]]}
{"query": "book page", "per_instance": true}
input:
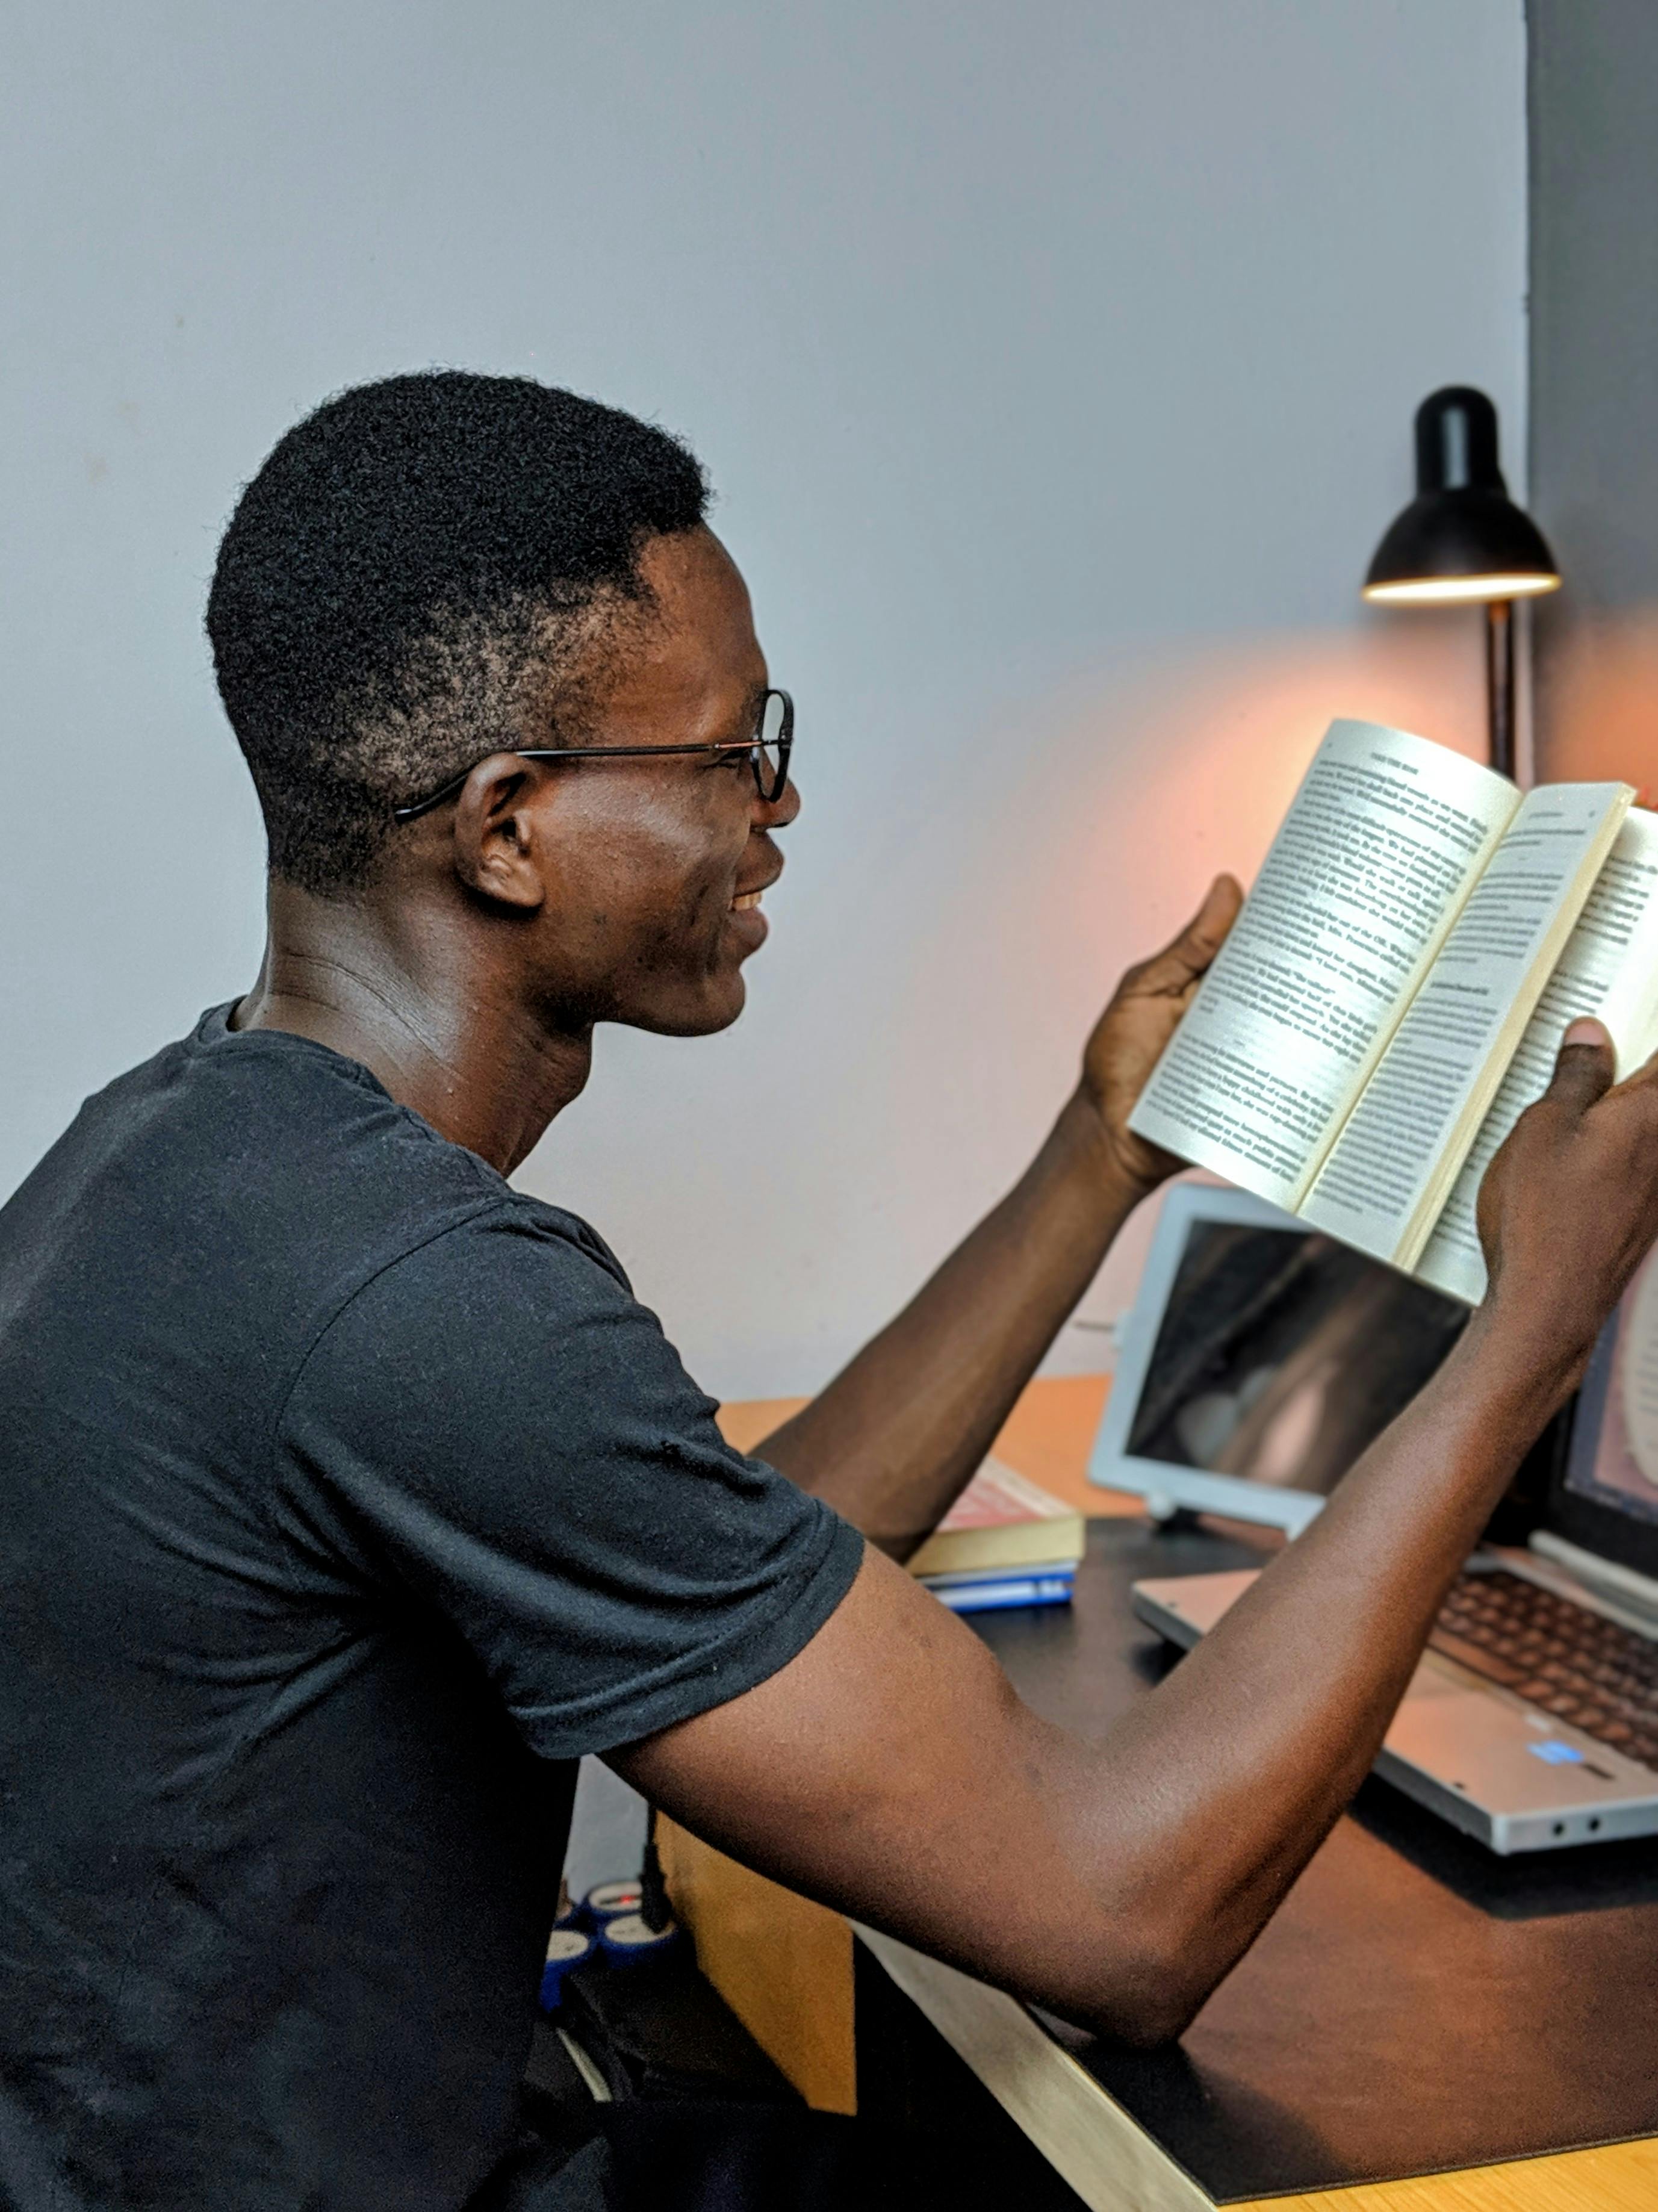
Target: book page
{"points": [[1378, 851], [1380, 1179], [1609, 969]]}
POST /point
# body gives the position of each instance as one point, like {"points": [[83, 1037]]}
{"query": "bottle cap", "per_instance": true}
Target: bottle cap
{"points": [[605, 1899], [628, 1938], [565, 1948]]}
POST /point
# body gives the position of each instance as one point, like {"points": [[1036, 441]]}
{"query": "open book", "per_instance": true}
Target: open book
{"points": [[1392, 997]]}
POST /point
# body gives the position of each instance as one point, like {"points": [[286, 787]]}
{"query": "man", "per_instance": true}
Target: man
{"points": [[349, 1496]]}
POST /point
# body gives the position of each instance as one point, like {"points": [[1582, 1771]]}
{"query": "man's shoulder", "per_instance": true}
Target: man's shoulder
{"points": [[508, 1271], [305, 1149], [233, 1140], [494, 1253], [238, 1191]]}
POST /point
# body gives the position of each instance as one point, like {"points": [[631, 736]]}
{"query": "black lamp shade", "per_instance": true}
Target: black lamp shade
{"points": [[1461, 536]]}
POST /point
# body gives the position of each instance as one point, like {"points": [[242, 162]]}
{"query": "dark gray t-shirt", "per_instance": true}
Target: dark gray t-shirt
{"points": [[346, 1497]]}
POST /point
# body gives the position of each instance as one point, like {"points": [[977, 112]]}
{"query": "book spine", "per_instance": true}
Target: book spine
{"points": [[1062, 1566], [992, 1596]]}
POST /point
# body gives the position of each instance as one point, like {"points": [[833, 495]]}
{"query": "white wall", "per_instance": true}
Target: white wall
{"points": [[1054, 365]]}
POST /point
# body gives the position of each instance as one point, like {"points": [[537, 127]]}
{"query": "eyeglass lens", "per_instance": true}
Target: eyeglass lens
{"points": [[770, 734]]}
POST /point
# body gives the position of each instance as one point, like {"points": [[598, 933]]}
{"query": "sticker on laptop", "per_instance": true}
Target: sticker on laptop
{"points": [[1553, 1753]]}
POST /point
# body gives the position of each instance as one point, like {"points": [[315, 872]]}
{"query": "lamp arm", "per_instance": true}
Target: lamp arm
{"points": [[1499, 682]]}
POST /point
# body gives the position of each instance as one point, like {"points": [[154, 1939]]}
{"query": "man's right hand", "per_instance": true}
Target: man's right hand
{"points": [[1569, 1208]]}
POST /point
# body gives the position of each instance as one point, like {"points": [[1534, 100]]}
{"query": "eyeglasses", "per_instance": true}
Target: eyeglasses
{"points": [[768, 749]]}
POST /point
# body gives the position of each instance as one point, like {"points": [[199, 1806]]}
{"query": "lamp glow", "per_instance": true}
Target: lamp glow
{"points": [[1457, 591]]}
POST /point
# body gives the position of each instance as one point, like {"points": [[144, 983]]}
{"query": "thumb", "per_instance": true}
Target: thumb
{"points": [[1192, 952], [1585, 1067]]}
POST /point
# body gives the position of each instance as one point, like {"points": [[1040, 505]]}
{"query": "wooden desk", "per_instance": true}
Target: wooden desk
{"points": [[1047, 1437], [786, 1966]]}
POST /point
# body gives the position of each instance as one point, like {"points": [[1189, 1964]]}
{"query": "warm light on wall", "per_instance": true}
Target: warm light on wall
{"points": [[1463, 541]]}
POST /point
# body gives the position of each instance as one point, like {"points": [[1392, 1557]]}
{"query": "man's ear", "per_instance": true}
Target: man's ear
{"points": [[498, 852]]}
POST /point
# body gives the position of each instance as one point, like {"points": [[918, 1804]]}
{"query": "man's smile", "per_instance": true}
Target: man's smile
{"points": [[747, 922], [747, 899]]}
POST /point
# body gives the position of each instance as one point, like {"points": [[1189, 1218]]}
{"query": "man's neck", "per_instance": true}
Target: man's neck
{"points": [[395, 990]]}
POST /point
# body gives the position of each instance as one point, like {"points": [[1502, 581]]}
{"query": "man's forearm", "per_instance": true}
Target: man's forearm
{"points": [[1249, 1750], [893, 1438]]}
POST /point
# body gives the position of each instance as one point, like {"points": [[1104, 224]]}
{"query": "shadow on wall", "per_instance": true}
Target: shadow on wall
{"points": [[1598, 699], [1105, 813]]}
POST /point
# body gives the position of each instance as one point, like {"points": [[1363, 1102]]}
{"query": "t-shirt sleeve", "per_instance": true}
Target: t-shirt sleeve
{"points": [[495, 1427]]}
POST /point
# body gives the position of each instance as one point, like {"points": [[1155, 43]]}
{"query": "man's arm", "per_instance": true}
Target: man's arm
{"points": [[891, 1771], [893, 1438]]}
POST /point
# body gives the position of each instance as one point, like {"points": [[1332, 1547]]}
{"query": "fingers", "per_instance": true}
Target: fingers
{"points": [[1184, 959], [1586, 1031], [1585, 1068]]}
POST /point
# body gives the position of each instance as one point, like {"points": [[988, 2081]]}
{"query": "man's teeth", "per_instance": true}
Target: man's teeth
{"points": [[745, 899]]}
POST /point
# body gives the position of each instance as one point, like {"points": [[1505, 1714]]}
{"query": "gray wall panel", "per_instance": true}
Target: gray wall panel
{"points": [[1594, 223]]}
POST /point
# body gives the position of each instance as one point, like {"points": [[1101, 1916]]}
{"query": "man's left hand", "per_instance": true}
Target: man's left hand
{"points": [[1145, 1010]]}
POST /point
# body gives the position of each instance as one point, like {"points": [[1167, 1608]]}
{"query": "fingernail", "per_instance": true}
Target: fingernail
{"points": [[1585, 1032]]}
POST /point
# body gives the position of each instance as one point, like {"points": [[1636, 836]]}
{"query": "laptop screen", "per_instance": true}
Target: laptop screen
{"points": [[1607, 1499], [1280, 1354]]}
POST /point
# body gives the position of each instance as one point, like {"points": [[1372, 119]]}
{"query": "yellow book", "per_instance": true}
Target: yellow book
{"points": [[1001, 1521]]}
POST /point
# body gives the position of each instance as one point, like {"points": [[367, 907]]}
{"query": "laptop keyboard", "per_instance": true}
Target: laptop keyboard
{"points": [[1561, 1657]]}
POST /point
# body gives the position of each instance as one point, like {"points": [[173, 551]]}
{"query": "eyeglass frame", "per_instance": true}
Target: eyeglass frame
{"points": [[754, 747]]}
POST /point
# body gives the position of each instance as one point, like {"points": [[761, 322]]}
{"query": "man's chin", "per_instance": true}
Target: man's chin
{"points": [[712, 1009]]}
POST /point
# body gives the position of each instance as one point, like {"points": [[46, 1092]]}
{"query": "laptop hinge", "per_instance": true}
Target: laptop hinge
{"points": [[1639, 1591]]}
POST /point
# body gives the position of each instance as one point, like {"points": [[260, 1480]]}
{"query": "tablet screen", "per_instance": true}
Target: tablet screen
{"points": [[1281, 1354], [1613, 1461]]}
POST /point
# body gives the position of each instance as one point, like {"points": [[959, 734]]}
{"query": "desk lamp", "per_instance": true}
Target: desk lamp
{"points": [[1463, 541]]}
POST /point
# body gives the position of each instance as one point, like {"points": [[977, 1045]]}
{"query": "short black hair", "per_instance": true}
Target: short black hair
{"points": [[412, 561]]}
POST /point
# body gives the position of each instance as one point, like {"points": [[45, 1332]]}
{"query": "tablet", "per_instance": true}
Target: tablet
{"points": [[1259, 1361], [1605, 1497]]}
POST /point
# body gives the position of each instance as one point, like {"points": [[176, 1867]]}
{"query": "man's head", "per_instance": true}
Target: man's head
{"points": [[432, 572]]}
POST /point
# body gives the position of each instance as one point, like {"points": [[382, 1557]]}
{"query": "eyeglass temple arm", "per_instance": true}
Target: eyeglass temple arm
{"points": [[417, 807]]}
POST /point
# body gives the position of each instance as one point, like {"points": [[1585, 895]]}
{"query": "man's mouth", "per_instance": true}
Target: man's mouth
{"points": [[745, 900]]}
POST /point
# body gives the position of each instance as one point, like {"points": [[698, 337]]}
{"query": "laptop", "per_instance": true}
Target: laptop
{"points": [[1259, 1361]]}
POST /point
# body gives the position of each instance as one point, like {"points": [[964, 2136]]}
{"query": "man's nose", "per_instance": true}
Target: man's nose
{"points": [[778, 813]]}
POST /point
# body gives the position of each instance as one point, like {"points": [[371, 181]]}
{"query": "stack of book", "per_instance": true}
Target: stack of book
{"points": [[1004, 1542]]}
